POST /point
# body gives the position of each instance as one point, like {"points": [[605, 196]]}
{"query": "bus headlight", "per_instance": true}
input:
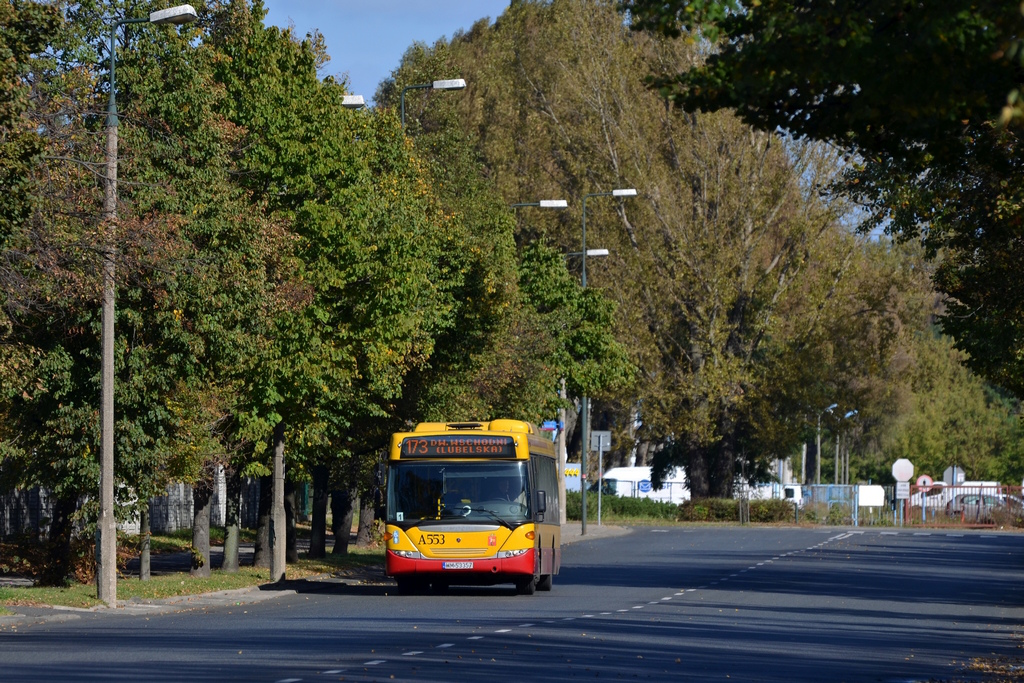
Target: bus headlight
{"points": [[512, 553], [408, 554]]}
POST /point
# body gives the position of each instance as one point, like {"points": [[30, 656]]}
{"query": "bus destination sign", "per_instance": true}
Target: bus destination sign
{"points": [[459, 446]]}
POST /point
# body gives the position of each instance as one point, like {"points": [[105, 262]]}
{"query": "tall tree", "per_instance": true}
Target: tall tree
{"points": [[916, 93], [721, 271], [366, 285]]}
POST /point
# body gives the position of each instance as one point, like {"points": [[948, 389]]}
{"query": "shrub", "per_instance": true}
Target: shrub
{"points": [[709, 510], [618, 507], [771, 511]]}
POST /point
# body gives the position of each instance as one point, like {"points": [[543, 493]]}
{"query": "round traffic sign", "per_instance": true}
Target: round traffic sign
{"points": [[903, 469], [924, 482]]}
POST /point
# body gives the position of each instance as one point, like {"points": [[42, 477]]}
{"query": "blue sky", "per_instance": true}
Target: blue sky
{"points": [[367, 38]]}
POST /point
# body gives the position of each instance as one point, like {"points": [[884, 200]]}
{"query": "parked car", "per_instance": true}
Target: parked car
{"points": [[973, 507]]}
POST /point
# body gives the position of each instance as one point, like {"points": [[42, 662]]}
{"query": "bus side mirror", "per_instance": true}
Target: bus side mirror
{"points": [[542, 502]]}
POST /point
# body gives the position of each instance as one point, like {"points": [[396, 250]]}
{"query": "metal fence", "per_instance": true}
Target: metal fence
{"points": [[847, 505], [969, 505], [31, 510]]}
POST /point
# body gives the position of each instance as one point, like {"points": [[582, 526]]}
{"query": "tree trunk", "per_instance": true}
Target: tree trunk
{"points": [[365, 536], [261, 550], [201, 505], [812, 464], [233, 521], [724, 465], [291, 515], [342, 512], [144, 537], [60, 570], [278, 532], [318, 526], [697, 472]]}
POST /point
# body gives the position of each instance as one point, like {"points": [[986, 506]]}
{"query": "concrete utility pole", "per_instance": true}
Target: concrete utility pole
{"points": [[106, 525], [560, 448]]}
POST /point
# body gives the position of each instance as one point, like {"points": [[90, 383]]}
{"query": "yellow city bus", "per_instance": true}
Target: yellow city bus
{"points": [[472, 503]]}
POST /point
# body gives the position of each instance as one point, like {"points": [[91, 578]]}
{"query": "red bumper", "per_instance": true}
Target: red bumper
{"points": [[491, 566]]}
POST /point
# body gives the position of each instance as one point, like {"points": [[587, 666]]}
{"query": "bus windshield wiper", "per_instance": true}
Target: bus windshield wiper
{"points": [[495, 516]]}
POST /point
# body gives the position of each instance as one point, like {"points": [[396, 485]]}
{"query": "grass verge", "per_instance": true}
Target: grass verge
{"points": [[176, 584]]}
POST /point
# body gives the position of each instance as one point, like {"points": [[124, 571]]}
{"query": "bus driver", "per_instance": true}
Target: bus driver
{"points": [[507, 492]]}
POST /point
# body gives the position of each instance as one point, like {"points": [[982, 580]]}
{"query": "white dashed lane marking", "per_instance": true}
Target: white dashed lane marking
{"points": [[681, 592]]}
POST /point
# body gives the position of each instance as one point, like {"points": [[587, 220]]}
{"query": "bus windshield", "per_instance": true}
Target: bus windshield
{"points": [[495, 492]]}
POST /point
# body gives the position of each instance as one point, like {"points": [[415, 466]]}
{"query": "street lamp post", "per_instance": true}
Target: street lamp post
{"points": [[817, 478], [278, 527], [585, 401], [842, 465], [560, 439], [450, 84], [106, 528]]}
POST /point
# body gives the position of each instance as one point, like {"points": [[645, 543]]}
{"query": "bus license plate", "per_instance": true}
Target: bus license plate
{"points": [[457, 565]]}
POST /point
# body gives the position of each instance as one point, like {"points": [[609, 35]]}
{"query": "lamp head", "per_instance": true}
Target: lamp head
{"points": [[353, 102], [553, 204], [626, 192], [182, 14], [450, 84]]}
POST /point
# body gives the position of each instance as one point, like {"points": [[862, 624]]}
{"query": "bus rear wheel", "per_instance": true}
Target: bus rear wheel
{"points": [[544, 584]]}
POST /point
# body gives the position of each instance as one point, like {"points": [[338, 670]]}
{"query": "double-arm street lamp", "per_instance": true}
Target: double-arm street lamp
{"points": [[450, 84], [842, 465], [544, 204], [560, 447], [585, 401], [106, 547]]}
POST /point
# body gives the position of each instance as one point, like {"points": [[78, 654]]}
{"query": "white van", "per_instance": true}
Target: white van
{"points": [[635, 482]]}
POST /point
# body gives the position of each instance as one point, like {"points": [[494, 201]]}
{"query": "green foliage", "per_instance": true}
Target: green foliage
{"points": [[724, 271], [519, 322], [26, 28], [619, 508], [954, 418], [918, 97]]}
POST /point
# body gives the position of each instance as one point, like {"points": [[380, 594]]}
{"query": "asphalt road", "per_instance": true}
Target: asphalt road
{"points": [[700, 604]]}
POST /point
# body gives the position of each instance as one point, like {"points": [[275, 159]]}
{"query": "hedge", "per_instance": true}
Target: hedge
{"points": [[616, 507]]}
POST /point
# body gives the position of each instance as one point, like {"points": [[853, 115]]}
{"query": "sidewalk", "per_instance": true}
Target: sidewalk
{"points": [[572, 532]]}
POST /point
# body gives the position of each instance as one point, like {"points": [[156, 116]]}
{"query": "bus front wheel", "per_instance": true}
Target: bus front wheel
{"points": [[526, 586], [408, 585], [544, 584]]}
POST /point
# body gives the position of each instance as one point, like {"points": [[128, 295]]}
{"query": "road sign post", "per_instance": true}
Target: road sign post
{"points": [[903, 470], [600, 441]]}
